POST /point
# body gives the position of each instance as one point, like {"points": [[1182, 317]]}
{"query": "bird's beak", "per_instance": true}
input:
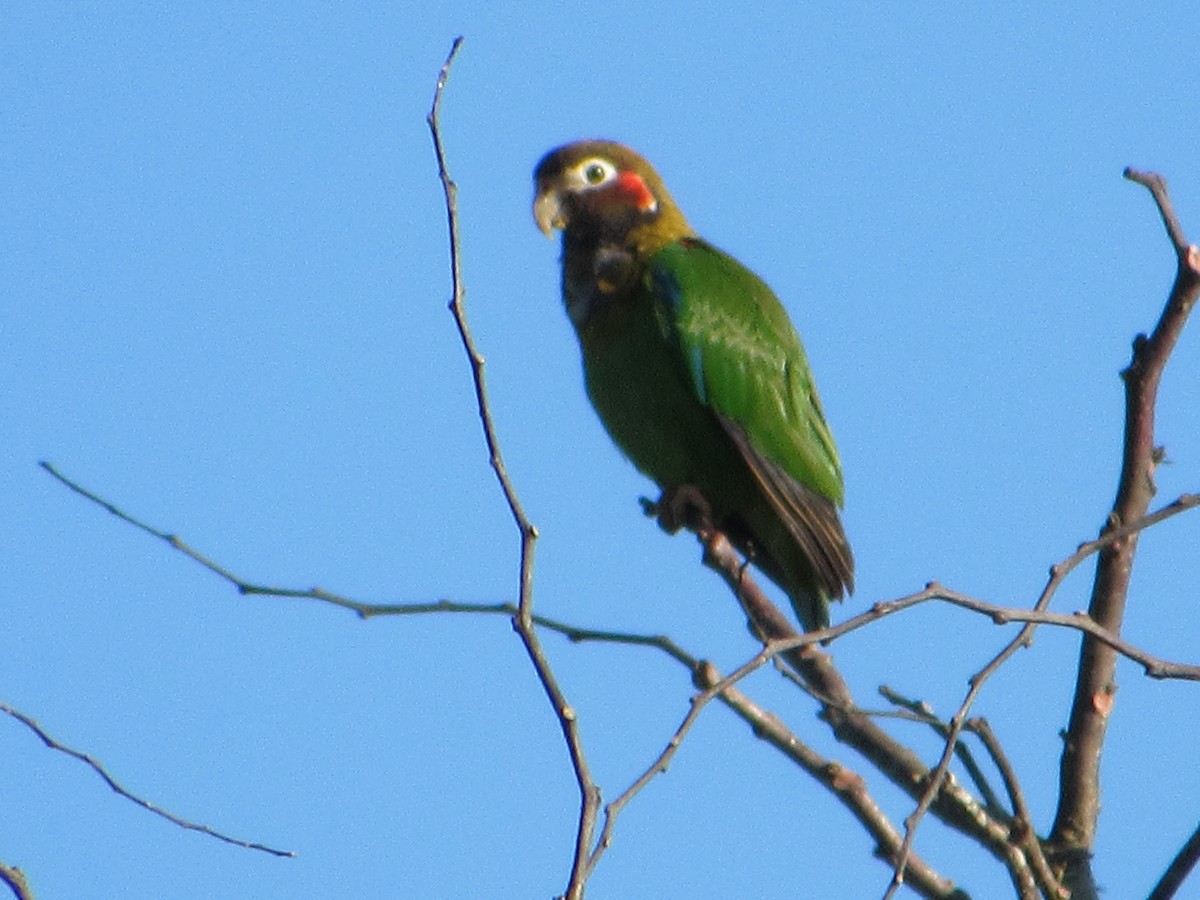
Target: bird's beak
{"points": [[548, 212]]}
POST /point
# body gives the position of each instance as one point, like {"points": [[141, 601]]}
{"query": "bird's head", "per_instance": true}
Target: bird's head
{"points": [[604, 191]]}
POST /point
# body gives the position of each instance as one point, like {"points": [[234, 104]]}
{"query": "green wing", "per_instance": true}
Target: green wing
{"points": [[748, 366], [746, 360]]}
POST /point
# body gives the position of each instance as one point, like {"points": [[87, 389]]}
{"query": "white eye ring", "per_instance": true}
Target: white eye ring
{"points": [[594, 172]]}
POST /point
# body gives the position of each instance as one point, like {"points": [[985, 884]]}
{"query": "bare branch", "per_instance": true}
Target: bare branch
{"points": [[850, 789], [523, 623], [939, 778], [702, 673], [1157, 186], [1153, 666], [1000, 615], [1026, 833], [1079, 780], [817, 668], [847, 786], [923, 712], [116, 786], [458, 311], [15, 879], [954, 804], [1024, 638], [1179, 869]]}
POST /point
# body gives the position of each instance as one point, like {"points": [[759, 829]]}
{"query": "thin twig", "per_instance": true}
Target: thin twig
{"points": [[1179, 869], [1026, 834], [702, 673], [923, 712], [849, 787], [1023, 829], [1001, 615], [1153, 666], [523, 621], [118, 788], [846, 785]]}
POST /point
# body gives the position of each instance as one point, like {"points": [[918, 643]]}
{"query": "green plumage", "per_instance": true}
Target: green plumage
{"points": [[696, 371]]}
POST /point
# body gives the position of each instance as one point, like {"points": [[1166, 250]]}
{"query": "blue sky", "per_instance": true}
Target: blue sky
{"points": [[225, 277]]}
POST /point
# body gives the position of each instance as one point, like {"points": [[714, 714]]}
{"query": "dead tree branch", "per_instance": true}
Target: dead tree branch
{"points": [[15, 879], [816, 667], [1026, 833], [54, 744], [998, 614], [1179, 869], [1074, 830], [921, 711], [791, 644], [953, 804], [847, 786], [523, 624]]}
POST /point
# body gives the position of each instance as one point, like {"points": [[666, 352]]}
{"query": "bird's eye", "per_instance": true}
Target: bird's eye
{"points": [[596, 171]]}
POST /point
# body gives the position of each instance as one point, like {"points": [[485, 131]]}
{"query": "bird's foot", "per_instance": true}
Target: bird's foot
{"points": [[680, 507]]}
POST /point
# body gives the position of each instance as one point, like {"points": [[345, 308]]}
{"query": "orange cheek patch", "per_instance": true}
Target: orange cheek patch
{"points": [[634, 191]]}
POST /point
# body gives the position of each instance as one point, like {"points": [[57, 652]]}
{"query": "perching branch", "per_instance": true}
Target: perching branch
{"points": [[735, 570], [1000, 615], [874, 741], [849, 788], [952, 803], [894, 759], [118, 788], [1074, 831], [856, 729]]}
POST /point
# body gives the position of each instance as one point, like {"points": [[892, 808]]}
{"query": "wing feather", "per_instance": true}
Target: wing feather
{"points": [[812, 519], [748, 366]]}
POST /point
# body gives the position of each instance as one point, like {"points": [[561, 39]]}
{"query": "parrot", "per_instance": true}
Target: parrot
{"points": [[696, 371]]}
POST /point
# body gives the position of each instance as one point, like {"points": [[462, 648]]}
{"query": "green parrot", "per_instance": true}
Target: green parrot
{"points": [[696, 371]]}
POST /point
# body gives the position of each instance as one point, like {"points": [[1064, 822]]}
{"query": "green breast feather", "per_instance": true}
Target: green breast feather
{"points": [[745, 359]]}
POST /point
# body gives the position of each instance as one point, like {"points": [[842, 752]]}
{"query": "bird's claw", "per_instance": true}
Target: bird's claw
{"points": [[680, 507]]}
